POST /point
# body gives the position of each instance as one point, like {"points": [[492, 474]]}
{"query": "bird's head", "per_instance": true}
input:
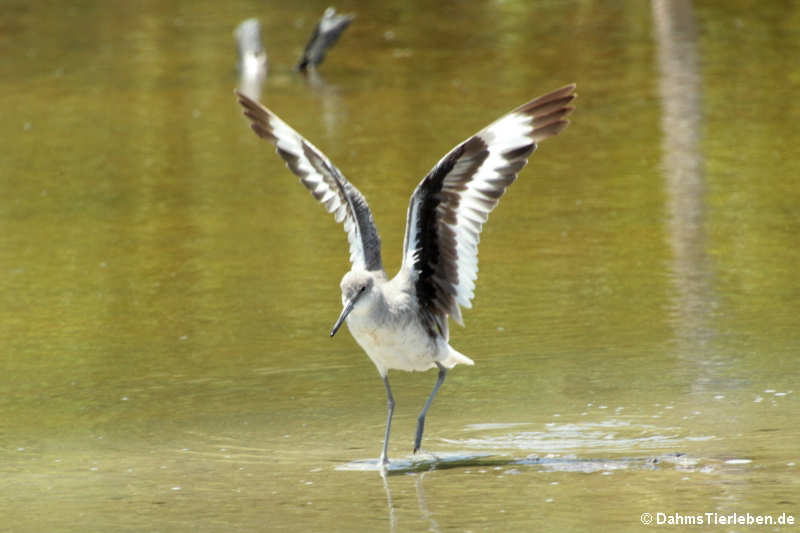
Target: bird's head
{"points": [[355, 285]]}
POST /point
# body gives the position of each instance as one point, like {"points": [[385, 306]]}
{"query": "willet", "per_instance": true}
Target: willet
{"points": [[402, 323], [325, 34]]}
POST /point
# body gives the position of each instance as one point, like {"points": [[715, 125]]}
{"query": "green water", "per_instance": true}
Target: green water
{"points": [[167, 288]]}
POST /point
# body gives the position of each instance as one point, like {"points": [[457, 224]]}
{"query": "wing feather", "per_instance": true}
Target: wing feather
{"points": [[324, 180], [450, 205]]}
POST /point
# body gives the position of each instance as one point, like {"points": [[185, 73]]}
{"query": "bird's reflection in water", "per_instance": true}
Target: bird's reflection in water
{"points": [[419, 468], [389, 501], [422, 503], [332, 111]]}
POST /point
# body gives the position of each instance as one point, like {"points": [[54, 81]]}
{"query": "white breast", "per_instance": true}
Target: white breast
{"points": [[400, 345]]}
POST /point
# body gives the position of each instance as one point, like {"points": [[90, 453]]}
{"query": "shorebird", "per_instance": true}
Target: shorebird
{"points": [[402, 323], [325, 34]]}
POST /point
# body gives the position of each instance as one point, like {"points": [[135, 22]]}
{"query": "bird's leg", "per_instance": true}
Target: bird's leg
{"points": [[421, 418], [390, 403]]}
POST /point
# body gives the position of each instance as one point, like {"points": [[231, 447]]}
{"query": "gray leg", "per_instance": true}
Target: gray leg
{"points": [[390, 402], [421, 418]]}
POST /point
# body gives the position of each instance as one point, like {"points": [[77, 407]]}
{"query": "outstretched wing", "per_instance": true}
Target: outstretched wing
{"points": [[324, 180], [450, 205]]}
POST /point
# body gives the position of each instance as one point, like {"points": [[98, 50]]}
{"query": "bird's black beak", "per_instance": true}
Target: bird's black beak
{"points": [[346, 311]]}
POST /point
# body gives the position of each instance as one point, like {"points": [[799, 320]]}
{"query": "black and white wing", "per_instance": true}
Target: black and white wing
{"points": [[324, 180], [450, 205], [325, 35]]}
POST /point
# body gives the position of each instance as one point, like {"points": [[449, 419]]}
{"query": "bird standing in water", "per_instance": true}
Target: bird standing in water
{"points": [[402, 322]]}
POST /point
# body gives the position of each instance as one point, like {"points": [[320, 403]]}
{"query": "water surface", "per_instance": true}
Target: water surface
{"points": [[166, 287]]}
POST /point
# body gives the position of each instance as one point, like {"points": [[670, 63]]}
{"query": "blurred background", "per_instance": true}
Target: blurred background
{"points": [[167, 287]]}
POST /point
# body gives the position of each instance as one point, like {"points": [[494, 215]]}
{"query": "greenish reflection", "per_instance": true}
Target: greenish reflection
{"points": [[166, 288]]}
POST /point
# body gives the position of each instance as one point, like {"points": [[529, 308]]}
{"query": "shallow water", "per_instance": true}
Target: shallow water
{"points": [[167, 288]]}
